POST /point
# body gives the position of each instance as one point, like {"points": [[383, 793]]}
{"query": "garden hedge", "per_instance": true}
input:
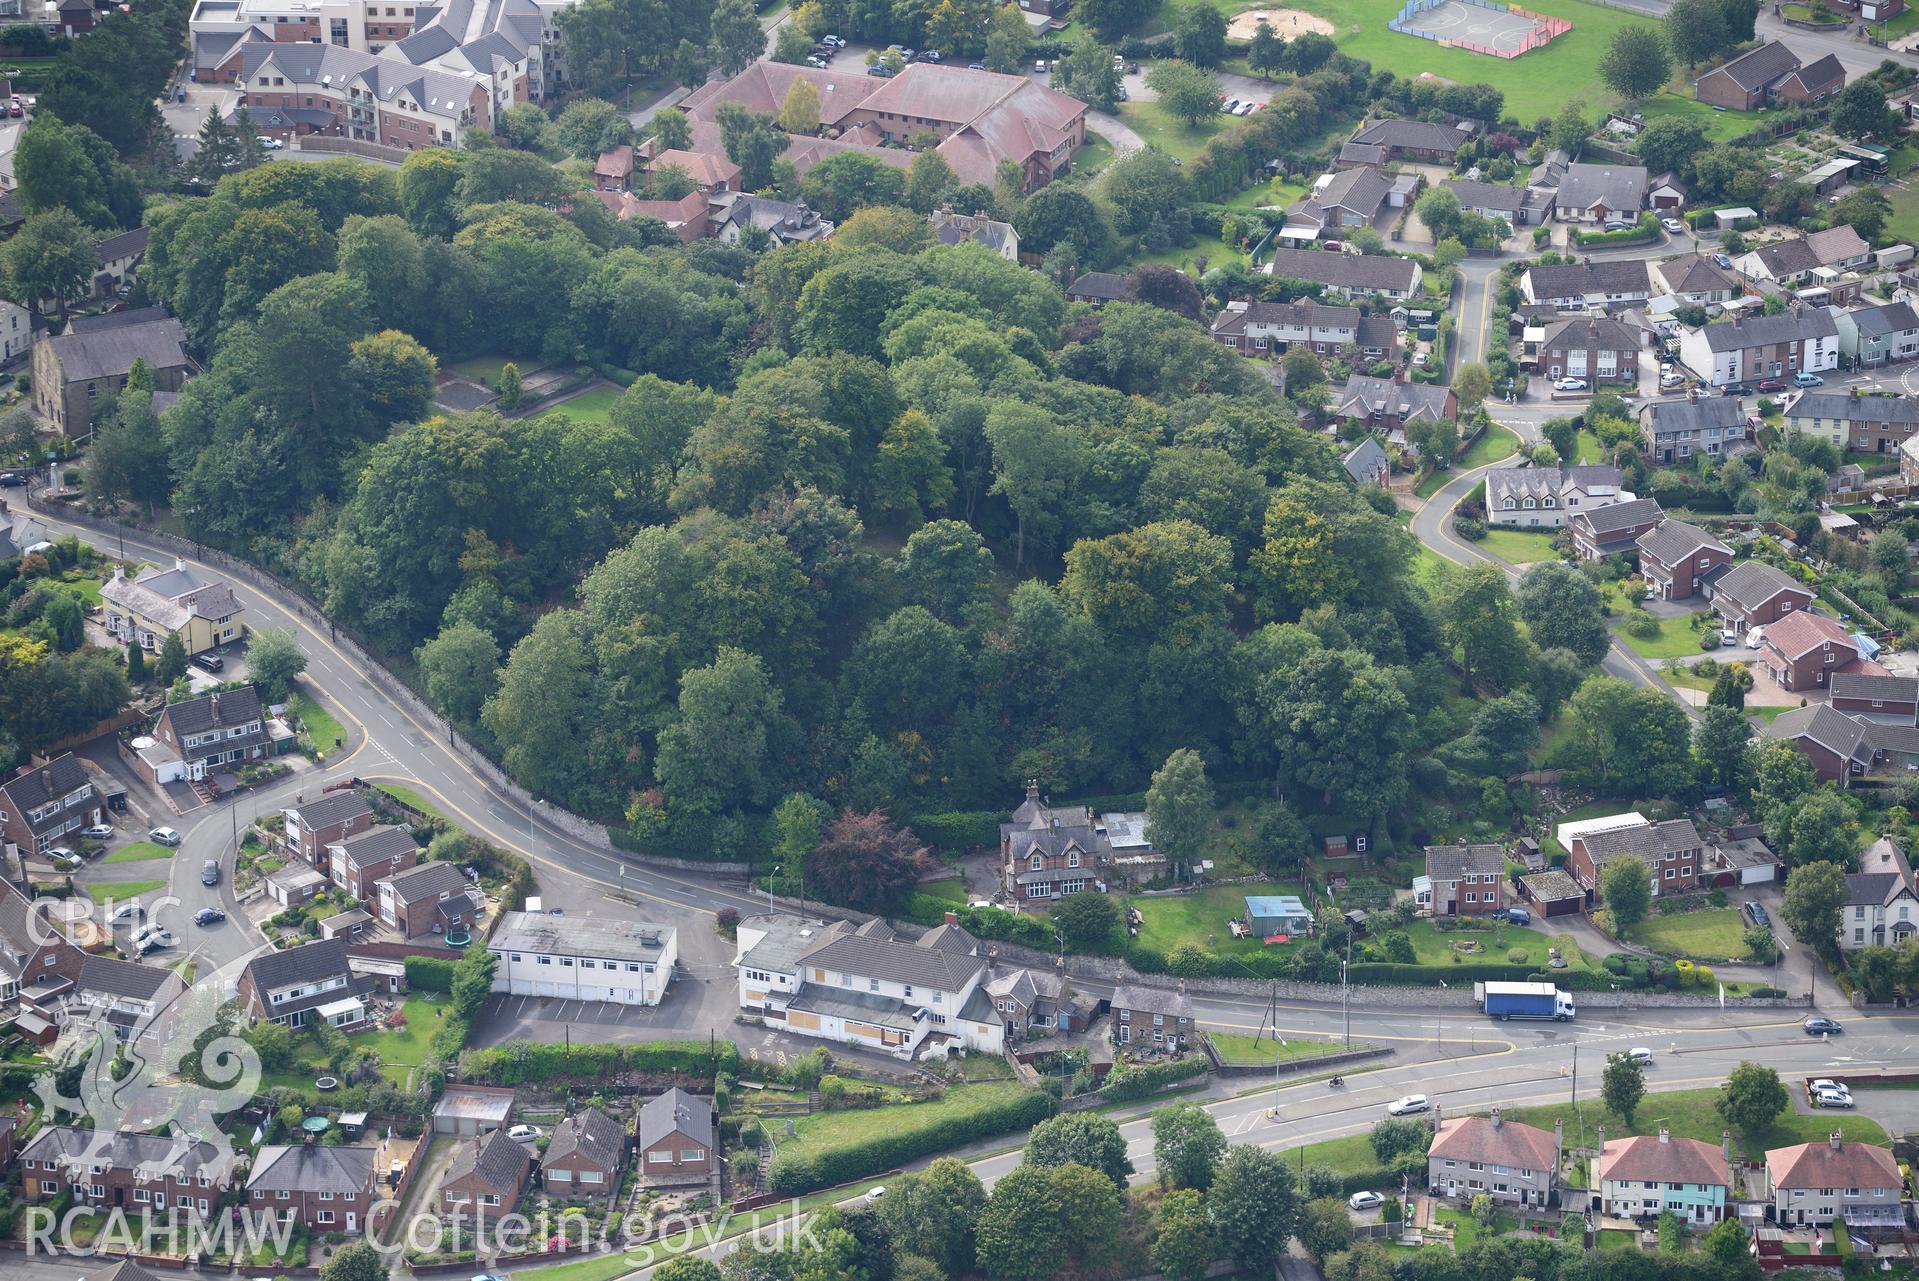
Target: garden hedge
{"points": [[1128, 1081], [519, 1062], [794, 1171], [958, 831], [429, 974]]}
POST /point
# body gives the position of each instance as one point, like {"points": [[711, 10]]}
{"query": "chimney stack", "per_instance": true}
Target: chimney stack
{"points": [[1665, 1135], [1602, 1138], [1832, 1140], [952, 918], [1182, 992], [1496, 1121], [1725, 1144]]}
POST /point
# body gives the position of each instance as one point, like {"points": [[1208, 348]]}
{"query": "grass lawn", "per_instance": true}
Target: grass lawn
{"points": [[407, 796], [486, 369], [400, 1049], [1535, 84], [1519, 546], [1587, 450], [1237, 1047], [1215, 251], [99, 891], [859, 1125], [1720, 126], [1161, 128], [1434, 948], [953, 891], [1903, 223], [1689, 1114], [1711, 935], [1094, 156], [85, 590], [138, 852], [1432, 570], [1494, 444], [600, 1268], [1192, 918], [1466, 1230], [1674, 639], [1616, 1239], [595, 406], [1350, 1155], [321, 725]]}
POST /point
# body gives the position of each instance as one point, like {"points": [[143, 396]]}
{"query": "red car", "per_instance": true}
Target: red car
{"points": [[1772, 384]]}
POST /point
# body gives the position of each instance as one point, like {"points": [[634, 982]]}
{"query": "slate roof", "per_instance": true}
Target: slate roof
{"points": [[1153, 1000], [1649, 841], [334, 807], [1842, 735], [1666, 416], [897, 961], [1758, 68], [96, 351], [1832, 1165], [1591, 333], [106, 975], [1874, 889], [124, 1270], [1886, 689], [308, 963], [1697, 274], [1377, 332], [1304, 314], [1767, 331], [1103, 285], [56, 780], [1752, 583], [425, 882], [1413, 134], [1494, 1142], [125, 1149], [1497, 195], [378, 843], [1360, 191], [1891, 318], [224, 710], [1365, 460], [1825, 248], [1882, 411], [676, 1112], [1015, 986], [1370, 273], [1578, 279], [1619, 516], [950, 938], [315, 1168], [1803, 631], [1455, 862], [440, 93], [1618, 187], [786, 939], [1594, 478], [494, 1160], [171, 596], [951, 228], [127, 244], [1672, 541], [1365, 396], [590, 1135], [1663, 1159]]}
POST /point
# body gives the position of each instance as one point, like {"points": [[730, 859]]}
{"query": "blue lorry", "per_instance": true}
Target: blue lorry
{"points": [[1524, 1001]]}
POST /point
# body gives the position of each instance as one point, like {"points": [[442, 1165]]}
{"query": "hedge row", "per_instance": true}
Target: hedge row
{"points": [[1394, 974], [701, 838], [519, 1062], [795, 1171], [1647, 225], [429, 974], [1128, 1081], [958, 831]]}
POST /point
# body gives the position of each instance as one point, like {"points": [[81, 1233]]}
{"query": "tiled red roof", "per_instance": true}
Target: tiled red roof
{"points": [[1803, 631]]}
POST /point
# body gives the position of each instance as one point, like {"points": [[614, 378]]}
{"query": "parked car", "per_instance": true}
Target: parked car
{"points": [[1519, 916], [1570, 384], [1618, 224], [98, 832], [837, 42], [61, 854], [1230, 106], [210, 872], [164, 836], [1722, 262], [1827, 1083], [209, 662], [1673, 225], [274, 144], [1244, 109], [1807, 380], [1728, 637], [1756, 914], [814, 60], [525, 1132], [1754, 639], [208, 916], [1771, 384], [1040, 66], [127, 912], [875, 1193], [1739, 389], [1671, 378], [1408, 1104], [12, 480], [1831, 1099], [1640, 1054], [976, 66], [1819, 1025], [881, 70], [1365, 1200]]}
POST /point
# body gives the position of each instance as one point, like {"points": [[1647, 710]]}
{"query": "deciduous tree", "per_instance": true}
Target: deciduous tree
{"points": [[1090, 1139], [864, 861], [1183, 1245], [1185, 90], [937, 1211], [1752, 1097], [1188, 1146], [1636, 64], [1199, 33], [1254, 1206], [1179, 808], [1815, 893], [1562, 607], [1622, 1085], [1625, 886]]}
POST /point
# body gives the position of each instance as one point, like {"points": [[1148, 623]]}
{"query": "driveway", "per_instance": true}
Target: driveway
{"points": [[1116, 131]]}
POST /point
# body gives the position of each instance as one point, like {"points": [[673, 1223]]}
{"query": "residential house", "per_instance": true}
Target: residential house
{"points": [[1668, 192], [1770, 73], [1679, 559], [1596, 285], [193, 739], [1386, 405], [1367, 464], [1518, 206], [951, 228], [302, 984], [675, 1141], [16, 332], [487, 1176], [157, 603], [1855, 422], [40, 805], [327, 1189], [1512, 1163], [1647, 1176], [1893, 699], [1613, 529], [1696, 279], [135, 1002], [294, 885], [1671, 851], [1033, 1000], [468, 1111], [1842, 746], [334, 817], [428, 898], [710, 174], [732, 214], [21, 533], [1273, 328], [1803, 340], [1097, 288], [584, 1156], [1804, 650], [613, 171], [1675, 430], [1548, 497], [1909, 460], [1152, 1016], [1882, 335], [121, 1170], [1881, 908], [1347, 275], [34, 947], [73, 371], [865, 987], [1352, 198], [359, 863], [1463, 880], [1792, 262], [1755, 594], [1595, 193], [1415, 141], [1595, 348], [583, 958], [688, 217], [1048, 852], [1814, 1185], [115, 259]]}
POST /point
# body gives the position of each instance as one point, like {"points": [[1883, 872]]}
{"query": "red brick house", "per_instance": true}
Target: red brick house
{"points": [[1678, 559], [428, 899], [33, 948], [613, 171], [585, 1155], [298, 985], [1888, 698], [311, 827], [1464, 880], [1804, 651], [42, 805], [357, 863], [329, 1189], [1047, 852], [676, 1139], [1770, 73], [1671, 851], [1613, 530], [488, 1175], [1756, 594], [133, 1173]]}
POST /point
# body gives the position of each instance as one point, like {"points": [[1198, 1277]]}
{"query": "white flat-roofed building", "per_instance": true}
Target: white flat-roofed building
{"points": [[583, 958]]}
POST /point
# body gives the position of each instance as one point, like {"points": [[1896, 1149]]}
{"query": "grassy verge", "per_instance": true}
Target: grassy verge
{"points": [[1493, 445], [1689, 1114], [1519, 546], [323, 728], [122, 890], [407, 796], [138, 852], [1674, 639], [860, 1125], [1239, 1048]]}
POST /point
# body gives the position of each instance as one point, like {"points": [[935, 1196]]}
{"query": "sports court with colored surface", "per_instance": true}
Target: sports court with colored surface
{"points": [[1479, 26]]}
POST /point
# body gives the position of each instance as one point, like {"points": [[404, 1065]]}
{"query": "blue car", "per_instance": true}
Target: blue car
{"points": [[1808, 380]]}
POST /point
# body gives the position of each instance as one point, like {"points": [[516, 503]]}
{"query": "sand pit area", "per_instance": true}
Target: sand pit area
{"points": [[1286, 23]]}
